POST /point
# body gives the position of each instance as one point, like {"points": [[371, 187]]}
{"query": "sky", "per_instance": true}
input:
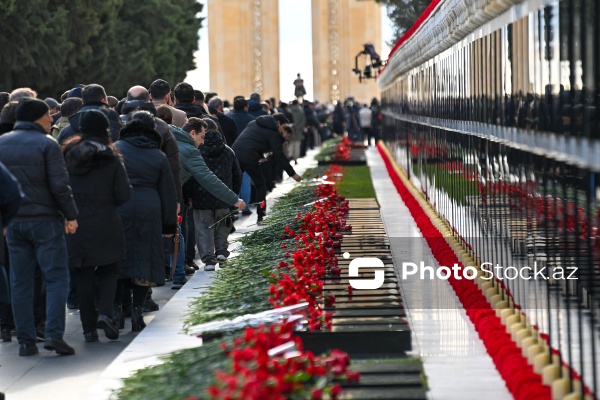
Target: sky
{"points": [[295, 47]]}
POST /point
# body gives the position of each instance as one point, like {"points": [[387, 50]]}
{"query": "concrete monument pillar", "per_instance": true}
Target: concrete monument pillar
{"points": [[340, 28], [244, 47]]}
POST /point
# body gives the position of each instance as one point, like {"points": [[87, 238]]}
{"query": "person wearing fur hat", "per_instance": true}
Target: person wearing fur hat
{"points": [[100, 184], [151, 212], [37, 234]]}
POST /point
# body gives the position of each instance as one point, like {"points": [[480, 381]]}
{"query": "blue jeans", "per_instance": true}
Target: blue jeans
{"points": [[180, 265], [245, 190], [42, 243]]}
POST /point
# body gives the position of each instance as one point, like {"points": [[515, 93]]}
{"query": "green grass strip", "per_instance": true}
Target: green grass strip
{"points": [[356, 183]]}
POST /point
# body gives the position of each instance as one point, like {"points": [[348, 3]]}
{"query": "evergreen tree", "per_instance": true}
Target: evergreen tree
{"points": [[403, 13], [32, 40], [154, 38], [53, 45], [91, 31]]}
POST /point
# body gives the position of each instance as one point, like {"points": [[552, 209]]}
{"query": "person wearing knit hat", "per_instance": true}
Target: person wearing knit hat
{"points": [[94, 125], [34, 110], [37, 234]]}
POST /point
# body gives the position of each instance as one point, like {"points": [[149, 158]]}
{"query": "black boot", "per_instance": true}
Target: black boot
{"points": [[126, 309], [118, 317], [137, 319], [150, 305]]}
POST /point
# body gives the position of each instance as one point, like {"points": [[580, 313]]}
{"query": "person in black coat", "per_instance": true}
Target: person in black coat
{"points": [[100, 184], [263, 135], [37, 233], [151, 212], [212, 226]]}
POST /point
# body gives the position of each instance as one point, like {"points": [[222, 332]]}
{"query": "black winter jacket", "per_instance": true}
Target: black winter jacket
{"points": [[35, 159], [241, 119], [221, 160], [152, 209], [192, 110], [100, 184], [168, 145], [261, 136]]}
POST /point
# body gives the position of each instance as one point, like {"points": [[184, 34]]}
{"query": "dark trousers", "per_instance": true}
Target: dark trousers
{"points": [[268, 170], [255, 173], [95, 283], [39, 300], [41, 242], [125, 287], [372, 133]]}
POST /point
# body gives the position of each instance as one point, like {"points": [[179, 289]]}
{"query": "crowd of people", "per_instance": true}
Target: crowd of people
{"points": [[102, 199]]}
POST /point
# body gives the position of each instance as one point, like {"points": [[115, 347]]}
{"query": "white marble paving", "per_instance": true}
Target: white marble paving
{"points": [[455, 360]]}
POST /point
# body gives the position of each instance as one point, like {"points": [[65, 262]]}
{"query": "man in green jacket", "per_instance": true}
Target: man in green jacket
{"points": [[192, 163]]}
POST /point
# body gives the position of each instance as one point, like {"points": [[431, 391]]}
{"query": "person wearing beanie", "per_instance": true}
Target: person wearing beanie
{"points": [[36, 111], [94, 125], [100, 185], [37, 233]]}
